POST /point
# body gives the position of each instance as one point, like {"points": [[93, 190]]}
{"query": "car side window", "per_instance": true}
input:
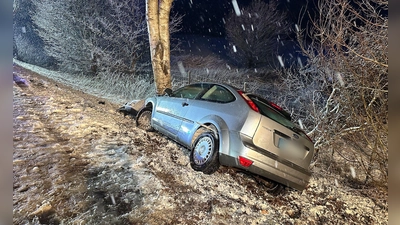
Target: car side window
{"points": [[190, 91], [218, 94]]}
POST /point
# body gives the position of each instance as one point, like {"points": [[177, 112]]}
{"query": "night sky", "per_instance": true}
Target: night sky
{"points": [[205, 16]]}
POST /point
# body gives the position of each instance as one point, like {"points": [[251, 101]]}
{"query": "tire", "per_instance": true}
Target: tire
{"points": [[204, 154], [143, 120]]}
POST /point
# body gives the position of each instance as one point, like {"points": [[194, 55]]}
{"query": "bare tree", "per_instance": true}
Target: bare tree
{"points": [[348, 66], [96, 37], [158, 28], [256, 32]]}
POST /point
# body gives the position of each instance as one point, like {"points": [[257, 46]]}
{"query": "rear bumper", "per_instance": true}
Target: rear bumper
{"points": [[269, 165]]}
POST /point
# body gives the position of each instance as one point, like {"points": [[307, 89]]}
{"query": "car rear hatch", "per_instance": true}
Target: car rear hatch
{"points": [[283, 142], [281, 150]]}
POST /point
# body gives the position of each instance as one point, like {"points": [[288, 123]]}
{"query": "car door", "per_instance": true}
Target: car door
{"points": [[215, 102], [171, 110], [168, 115]]}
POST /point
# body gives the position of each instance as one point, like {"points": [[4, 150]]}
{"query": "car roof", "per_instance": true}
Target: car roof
{"points": [[282, 111]]}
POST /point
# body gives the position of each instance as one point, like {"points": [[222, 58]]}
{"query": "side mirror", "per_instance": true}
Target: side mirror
{"points": [[168, 91]]}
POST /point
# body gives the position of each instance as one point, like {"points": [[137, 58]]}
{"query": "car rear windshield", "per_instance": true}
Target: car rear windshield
{"points": [[268, 111]]}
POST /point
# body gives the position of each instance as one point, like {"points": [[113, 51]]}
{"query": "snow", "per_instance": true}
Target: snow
{"points": [[297, 28], [339, 77], [236, 7], [96, 167], [182, 69], [281, 61], [353, 172]]}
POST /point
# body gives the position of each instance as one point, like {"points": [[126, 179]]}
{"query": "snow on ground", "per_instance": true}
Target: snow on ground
{"points": [[77, 161]]}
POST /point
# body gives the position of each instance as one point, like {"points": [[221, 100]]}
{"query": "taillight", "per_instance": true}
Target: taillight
{"points": [[249, 101], [245, 162]]}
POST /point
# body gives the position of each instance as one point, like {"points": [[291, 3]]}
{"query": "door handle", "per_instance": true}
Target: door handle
{"points": [[184, 104]]}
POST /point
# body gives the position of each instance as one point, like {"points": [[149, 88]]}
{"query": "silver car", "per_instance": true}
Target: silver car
{"points": [[223, 125]]}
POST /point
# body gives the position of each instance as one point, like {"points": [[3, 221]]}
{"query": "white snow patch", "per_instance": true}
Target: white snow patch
{"points": [[234, 48]]}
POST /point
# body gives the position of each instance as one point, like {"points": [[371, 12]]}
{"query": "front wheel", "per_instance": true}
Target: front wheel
{"points": [[143, 120], [204, 155]]}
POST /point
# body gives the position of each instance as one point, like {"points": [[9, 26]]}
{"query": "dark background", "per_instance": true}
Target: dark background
{"points": [[205, 16]]}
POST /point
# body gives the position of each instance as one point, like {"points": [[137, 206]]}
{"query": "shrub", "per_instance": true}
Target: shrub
{"points": [[348, 60]]}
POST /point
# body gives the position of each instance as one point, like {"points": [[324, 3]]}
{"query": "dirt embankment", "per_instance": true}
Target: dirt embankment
{"points": [[77, 161]]}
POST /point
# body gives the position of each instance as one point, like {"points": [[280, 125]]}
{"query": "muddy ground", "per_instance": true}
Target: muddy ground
{"points": [[77, 160]]}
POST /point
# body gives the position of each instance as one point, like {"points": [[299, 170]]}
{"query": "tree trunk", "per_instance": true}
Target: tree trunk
{"points": [[158, 26]]}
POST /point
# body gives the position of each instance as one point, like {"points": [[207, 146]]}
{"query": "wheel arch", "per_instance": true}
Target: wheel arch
{"points": [[222, 131], [147, 104]]}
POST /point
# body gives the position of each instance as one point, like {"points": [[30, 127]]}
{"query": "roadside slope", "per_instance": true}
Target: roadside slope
{"points": [[76, 160]]}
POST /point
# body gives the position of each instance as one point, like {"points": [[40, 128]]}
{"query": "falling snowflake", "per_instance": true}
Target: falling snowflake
{"points": [[300, 62], [301, 124], [236, 7], [182, 69], [339, 78], [281, 61], [353, 172]]}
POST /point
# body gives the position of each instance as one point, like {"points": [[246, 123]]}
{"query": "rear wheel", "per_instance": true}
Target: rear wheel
{"points": [[204, 155], [143, 120]]}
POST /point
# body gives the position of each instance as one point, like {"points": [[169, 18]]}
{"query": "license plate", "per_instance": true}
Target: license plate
{"points": [[289, 147]]}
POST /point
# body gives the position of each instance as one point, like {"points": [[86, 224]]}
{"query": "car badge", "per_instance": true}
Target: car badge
{"points": [[296, 136]]}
